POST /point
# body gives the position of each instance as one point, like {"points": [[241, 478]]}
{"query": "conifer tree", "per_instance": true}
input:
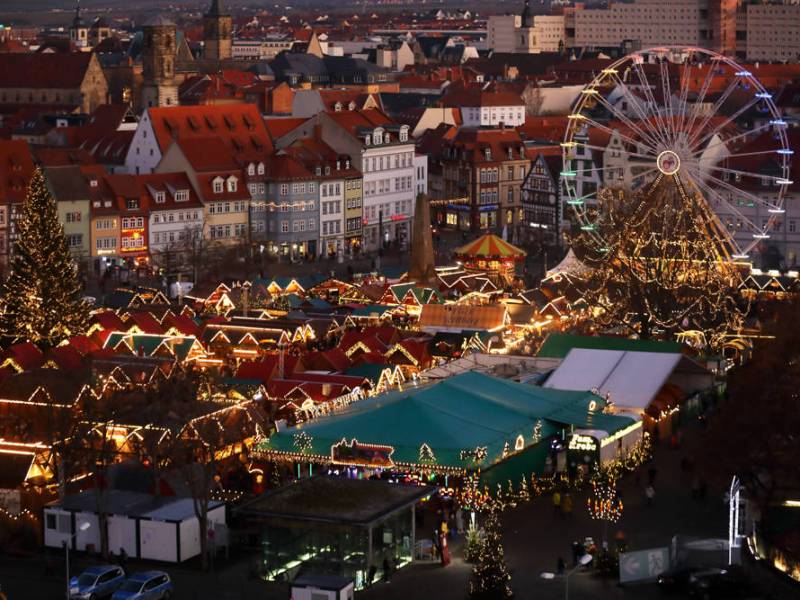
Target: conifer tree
{"points": [[490, 576], [41, 300]]}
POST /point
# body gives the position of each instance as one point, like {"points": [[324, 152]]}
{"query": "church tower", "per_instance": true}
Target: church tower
{"points": [[78, 29], [217, 32], [159, 50], [526, 34]]}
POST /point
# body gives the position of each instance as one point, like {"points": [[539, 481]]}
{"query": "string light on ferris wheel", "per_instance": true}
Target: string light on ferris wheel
{"points": [[665, 132]]}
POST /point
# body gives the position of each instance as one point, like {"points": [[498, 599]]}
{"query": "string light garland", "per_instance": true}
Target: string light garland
{"points": [[41, 298], [302, 441], [604, 503], [660, 262], [490, 576]]}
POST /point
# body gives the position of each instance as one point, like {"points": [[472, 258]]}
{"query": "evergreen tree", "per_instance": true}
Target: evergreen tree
{"points": [[41, 299], [490, 576]]}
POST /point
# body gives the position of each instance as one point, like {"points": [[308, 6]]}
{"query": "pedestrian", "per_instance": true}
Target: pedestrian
{"points": [[566, 505], [459, 520], [371, 575], [123, 558], [387, 573], [650, 494], [651, 475], [575, 553], [560, 566], [557, 502], [695, 488]]}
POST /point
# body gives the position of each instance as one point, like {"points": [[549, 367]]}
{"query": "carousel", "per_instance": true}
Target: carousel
{"points": [[491, 255]]}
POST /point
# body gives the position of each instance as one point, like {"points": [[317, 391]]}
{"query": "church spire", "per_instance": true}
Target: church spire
{"points": [[217, 9]]}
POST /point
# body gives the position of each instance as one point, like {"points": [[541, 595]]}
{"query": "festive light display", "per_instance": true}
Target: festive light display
{"points": [[660, 262], [41, 299], [302, 441], [426, 454], [490, 576], [604, 504]]}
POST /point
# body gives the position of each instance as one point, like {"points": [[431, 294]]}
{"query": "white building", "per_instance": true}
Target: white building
{"points": [[331, 217], [176, 215], [384, 152], [486, 107], [526, 34]]}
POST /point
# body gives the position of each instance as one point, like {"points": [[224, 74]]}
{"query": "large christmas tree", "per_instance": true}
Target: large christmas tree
{"points": [[41, 299], [490, 577]]}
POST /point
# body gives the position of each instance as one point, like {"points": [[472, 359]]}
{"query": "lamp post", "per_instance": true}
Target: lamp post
{"points": [[582, 562], [81, 527]]}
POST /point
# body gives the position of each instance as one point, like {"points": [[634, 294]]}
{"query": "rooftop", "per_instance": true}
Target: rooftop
{"points": [[335, 500]]}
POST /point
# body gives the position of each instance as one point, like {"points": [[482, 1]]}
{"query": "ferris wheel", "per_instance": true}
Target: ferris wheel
{"points": [[673, 112]]}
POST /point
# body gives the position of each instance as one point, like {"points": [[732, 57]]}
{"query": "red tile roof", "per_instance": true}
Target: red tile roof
{"points": [[26, 355], [44, 71], [239, 128], [146, 322], [278, 127]]}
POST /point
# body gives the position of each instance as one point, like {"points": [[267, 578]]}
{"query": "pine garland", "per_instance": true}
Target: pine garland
{"points": [[41, 300], [490, 576]]}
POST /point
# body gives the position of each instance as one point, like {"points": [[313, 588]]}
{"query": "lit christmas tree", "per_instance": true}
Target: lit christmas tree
{"points": [[524, 494], [490, 576], [41, 299], [604, 502]]}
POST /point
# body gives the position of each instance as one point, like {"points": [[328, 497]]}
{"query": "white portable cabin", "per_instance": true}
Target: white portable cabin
{"points": [[322, 587], [164, 529]]}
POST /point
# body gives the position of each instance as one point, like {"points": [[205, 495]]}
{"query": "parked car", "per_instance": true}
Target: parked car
{"points": [[677, 579], [709, 584], [96, 582], [148, 585]]}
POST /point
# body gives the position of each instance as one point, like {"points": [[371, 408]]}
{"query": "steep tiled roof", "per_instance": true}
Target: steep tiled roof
{"points": [[44, 71], [239, 127]]}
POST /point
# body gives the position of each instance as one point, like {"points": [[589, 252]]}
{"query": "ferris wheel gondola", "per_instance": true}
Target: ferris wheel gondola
{"points": [[673, 112]]}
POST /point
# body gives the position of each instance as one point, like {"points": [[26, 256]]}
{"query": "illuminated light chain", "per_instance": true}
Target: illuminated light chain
{"points": [[426, 454], [604, 504], [302, 441], [478, 455], [537, 431]]}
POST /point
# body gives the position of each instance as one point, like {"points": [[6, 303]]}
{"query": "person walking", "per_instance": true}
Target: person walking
{"points": [[459, 520], [650, 494], [566, 505], [557, 502]]}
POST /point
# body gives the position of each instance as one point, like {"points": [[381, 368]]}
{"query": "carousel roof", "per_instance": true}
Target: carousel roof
{"points": [[571, 265], [489, 246]]}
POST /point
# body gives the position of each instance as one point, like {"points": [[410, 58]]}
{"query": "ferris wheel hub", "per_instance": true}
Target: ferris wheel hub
{"points": [[668, 162]]}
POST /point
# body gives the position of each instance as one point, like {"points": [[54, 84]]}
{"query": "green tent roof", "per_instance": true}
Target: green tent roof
{"points": [[463, 412], [558, 345]]}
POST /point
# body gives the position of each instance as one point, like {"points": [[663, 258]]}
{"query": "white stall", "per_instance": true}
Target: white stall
{"points": [[322, 587], [164, 529]]}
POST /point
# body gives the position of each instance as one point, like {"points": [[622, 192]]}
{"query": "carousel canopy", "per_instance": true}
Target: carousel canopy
{"points": [[490, 247], [461, 413]]}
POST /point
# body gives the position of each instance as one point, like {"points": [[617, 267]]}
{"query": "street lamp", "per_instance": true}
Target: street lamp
{"points": [[81, 527], [582, 562]]}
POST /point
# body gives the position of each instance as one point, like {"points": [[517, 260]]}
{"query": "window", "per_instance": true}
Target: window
{"points": [[285, 226], [251, 169], [312, 224], [261, 168], [132, 203], [284, 189], [312, 187], [218, 186], [792, 226], [232, 184], [160, 197]]}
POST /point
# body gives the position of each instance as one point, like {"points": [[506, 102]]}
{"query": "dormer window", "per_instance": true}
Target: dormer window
{"points": [[510, 154], [378, 137], [338, 165], [219, 185], [337, 107], [347, 164], [318, 170], [327, 170], [232, 183], [160, 197], [404, 134], [367, 140], [251, 169], [93, 183], [181, 195], [261, 168], [132, 203], [351, 106], [488, 153]]}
